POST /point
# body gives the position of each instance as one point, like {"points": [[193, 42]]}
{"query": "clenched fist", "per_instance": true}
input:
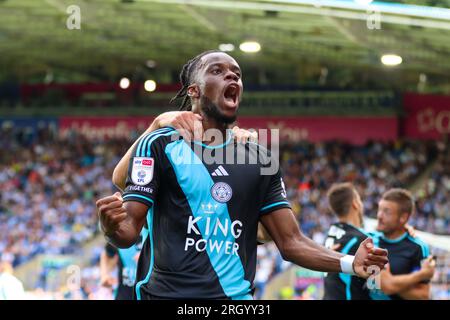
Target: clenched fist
{"points": [[111, 213]]}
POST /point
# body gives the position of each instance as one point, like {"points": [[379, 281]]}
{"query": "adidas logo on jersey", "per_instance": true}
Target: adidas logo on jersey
{"points": [[220, 172]]}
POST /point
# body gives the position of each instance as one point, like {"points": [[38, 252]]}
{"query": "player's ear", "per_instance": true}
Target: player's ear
{"points": [[404, 218], [193, 91]]}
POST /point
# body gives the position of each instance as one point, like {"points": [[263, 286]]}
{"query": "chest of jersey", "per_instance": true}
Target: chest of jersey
{"points": [[213, 186], [209, 207], [401, 257]]}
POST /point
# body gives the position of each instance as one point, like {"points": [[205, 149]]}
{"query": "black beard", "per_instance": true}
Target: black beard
{"points": [[212, 111]]}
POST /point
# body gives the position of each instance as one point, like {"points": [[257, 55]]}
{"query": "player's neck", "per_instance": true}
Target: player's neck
{"points": [[351, 218], [395, 234], [209, 123]]}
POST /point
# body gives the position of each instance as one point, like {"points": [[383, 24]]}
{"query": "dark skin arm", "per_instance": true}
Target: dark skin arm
{"points": [[121, 221], [294, 246]]}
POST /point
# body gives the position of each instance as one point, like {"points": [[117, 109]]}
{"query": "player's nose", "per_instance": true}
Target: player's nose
{"points": [[230, 75], [379, 215]]}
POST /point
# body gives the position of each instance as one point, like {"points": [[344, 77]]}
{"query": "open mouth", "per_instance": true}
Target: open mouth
{"points": [[231, 94]]}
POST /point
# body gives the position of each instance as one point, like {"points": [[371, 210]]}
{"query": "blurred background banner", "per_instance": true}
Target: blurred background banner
{"points": [[29, 126], [317, 129], [104, 127], [291, 128], [427, 116]]}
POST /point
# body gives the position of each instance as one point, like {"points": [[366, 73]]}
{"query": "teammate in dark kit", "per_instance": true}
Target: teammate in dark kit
{"points": [[345, 236], [348, 233], [126, 261], [410, 264]]}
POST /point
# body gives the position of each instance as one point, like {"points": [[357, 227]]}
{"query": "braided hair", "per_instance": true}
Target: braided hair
{"points": [[186, 77]]}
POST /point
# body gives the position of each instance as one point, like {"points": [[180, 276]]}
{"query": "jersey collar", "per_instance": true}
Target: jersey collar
{"points": [[227, 142], [403, 236]]}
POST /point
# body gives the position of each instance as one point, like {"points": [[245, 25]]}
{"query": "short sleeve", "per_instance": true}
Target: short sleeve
{"points": [[422, 252], [145, 168], [276, 197]]}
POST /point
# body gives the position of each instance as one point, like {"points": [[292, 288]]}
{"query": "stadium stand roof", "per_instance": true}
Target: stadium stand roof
{"points": [[120, 36]]}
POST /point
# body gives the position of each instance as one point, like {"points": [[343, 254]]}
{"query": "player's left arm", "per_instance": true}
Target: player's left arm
{"points": [[424, 264], [403, 283], [421, 291], [294, 246], [281, 224]]}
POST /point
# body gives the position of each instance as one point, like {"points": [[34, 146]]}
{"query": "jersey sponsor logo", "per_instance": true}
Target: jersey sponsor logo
{"points": [[142, 171], [147, 162], [221, 192], [214, 228]]}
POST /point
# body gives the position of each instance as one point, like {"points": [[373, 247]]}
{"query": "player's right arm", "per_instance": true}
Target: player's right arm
{"points": [[407, 284], [122, 217], [121, 222]]}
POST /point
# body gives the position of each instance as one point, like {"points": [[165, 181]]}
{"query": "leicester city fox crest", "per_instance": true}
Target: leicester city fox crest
{"points": [[221, 192]]}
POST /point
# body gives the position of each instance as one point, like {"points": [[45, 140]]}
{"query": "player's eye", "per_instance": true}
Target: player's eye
{"points": [[216, 71]]}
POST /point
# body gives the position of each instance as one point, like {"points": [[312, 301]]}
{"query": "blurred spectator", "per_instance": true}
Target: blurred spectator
{"points": [[48, 190], [11, 288], [310, 169]]}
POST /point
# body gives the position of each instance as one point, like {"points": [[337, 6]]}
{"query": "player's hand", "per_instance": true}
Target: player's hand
{"points": [[369, 256], [428, 268], [411, 230], [187, 123], [336, 246], [107, 281], [111, 213], [243, 136], [387, 268]]}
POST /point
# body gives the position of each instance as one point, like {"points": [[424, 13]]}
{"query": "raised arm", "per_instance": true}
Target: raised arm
{"points": [[294, 246], [183, 121]]}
